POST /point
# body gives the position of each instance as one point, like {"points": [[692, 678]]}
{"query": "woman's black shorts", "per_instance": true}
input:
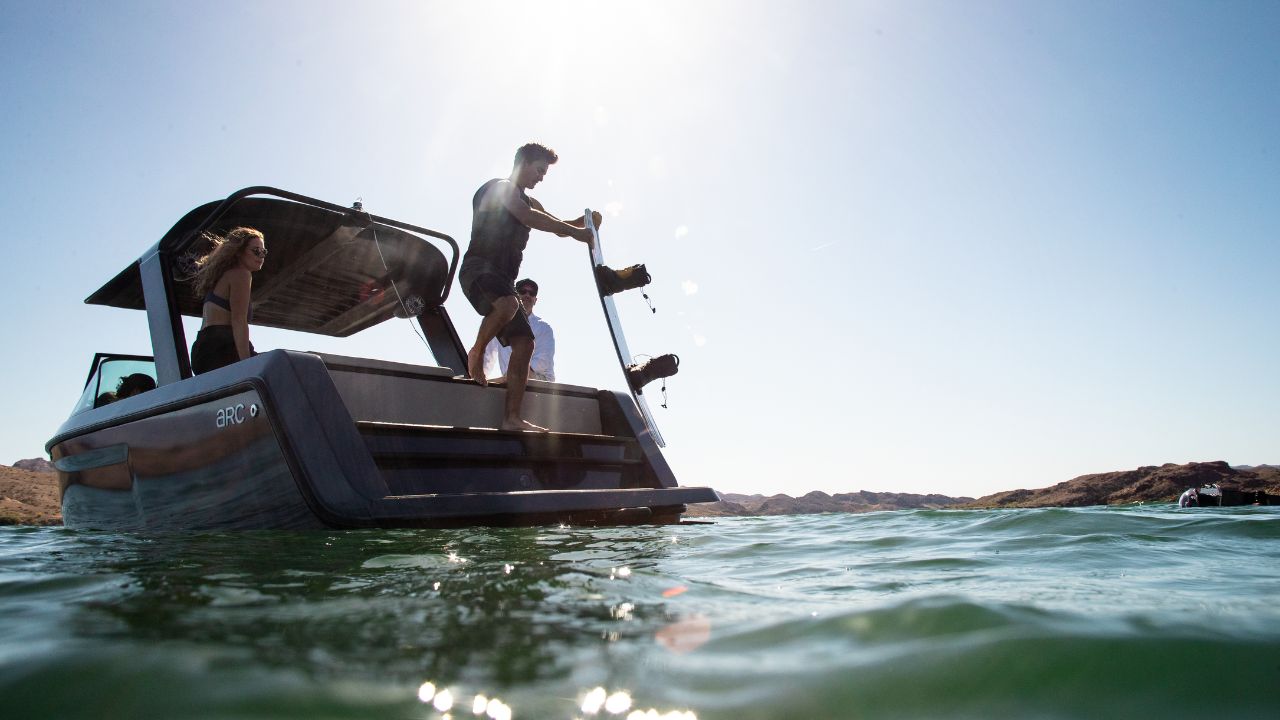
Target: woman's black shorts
{"points": [[214, 347]]}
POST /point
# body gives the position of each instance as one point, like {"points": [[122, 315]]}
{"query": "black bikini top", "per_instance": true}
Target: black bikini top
{"points": [[225, 304]]}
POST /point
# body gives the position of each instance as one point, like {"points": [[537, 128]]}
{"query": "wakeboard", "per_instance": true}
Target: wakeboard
{"points": [[615, 331]]}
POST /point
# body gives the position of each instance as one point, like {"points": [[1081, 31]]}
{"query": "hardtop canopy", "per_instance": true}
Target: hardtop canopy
{"points": [[329, 270]]}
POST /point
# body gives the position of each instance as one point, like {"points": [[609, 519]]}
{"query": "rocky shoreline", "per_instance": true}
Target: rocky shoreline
{"points": [[29, 493], [1148, 484]]}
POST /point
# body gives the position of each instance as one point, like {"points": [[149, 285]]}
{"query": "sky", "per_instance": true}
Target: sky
{"points": [[904, 246]]}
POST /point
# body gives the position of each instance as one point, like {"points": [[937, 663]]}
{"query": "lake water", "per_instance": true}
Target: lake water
{"points": [[1059, 613]]}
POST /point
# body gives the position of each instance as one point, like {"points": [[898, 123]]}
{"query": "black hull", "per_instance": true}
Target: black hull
{"points": [[291, 440]]}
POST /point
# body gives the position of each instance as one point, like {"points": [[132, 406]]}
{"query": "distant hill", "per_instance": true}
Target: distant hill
{"points": [[819, 502], [1145, 484], [35, 464], [1150, 483]]}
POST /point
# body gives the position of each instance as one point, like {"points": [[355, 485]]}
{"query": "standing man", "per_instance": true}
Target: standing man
{"points": [[502, 216], [542, 366]]}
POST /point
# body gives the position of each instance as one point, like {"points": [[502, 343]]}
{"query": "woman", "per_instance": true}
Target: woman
{"points": [[225, 280]]}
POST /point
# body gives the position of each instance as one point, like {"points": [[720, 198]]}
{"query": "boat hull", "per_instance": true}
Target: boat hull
{"points": [[271, 443]]}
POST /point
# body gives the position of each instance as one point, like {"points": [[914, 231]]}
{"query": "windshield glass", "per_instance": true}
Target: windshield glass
{"points": [[116, 376]]}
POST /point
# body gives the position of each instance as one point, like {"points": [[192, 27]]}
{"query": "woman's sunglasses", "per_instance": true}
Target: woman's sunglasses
{"points": [[260, 252]]}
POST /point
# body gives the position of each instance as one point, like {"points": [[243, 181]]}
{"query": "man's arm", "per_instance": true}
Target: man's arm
{"points": [[537, 218], [580, 222]]}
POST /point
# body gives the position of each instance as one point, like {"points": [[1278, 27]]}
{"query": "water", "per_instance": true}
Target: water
{"points": [[1083, 613]]}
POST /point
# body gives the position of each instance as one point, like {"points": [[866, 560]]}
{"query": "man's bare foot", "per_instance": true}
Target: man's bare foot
{"points": [[475, 366], [523, 425]]}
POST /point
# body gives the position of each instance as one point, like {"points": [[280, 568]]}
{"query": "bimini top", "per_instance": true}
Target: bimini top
{"points": [[329, 270]]}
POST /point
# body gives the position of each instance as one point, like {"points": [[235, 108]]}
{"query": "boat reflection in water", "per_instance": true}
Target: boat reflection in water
{"points": [[295, 440]]}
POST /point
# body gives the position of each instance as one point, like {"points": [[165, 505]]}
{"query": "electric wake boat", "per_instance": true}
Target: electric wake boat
{"points": [[290, 439]]}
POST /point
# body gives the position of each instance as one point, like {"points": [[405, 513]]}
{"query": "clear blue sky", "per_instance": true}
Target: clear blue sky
{"points": [[953, 247]]}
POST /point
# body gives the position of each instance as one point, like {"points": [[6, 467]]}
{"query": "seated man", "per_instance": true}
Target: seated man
{"points": [[134, 384], [542, 365]]}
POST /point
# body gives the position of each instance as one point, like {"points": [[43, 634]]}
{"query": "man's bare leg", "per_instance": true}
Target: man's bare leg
{"points": [[504, 308], [517, 379]]}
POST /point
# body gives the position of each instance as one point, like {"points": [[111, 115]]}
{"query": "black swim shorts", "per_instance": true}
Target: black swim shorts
{"points": [[215, 347], [489, 287]]}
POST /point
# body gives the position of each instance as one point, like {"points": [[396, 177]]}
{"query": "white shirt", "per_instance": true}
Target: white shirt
{"points": [[541, 366]]}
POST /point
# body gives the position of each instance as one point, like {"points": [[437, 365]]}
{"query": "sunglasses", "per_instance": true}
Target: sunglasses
{"points": [[260, 252], [527, 291]]}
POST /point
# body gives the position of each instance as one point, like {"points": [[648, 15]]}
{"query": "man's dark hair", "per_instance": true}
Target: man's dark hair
{"points": [[134, 384], [529, 283], [533, 152]]}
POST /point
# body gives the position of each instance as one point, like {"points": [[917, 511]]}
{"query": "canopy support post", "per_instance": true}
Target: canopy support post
{"points": [[168, 339], [443, 339]]}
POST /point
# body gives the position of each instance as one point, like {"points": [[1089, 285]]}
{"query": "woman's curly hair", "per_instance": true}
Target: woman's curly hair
{"points": [[222, 257]]}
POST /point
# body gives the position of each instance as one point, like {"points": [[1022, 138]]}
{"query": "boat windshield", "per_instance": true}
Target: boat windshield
{"points": [[111, 374]]}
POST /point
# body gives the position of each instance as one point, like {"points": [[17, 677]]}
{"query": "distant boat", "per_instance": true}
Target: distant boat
{"points": [[1213, 495], [293, 439]]}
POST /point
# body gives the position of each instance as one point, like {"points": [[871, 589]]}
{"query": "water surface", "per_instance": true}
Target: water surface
{"points": [[1099, 612]]}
